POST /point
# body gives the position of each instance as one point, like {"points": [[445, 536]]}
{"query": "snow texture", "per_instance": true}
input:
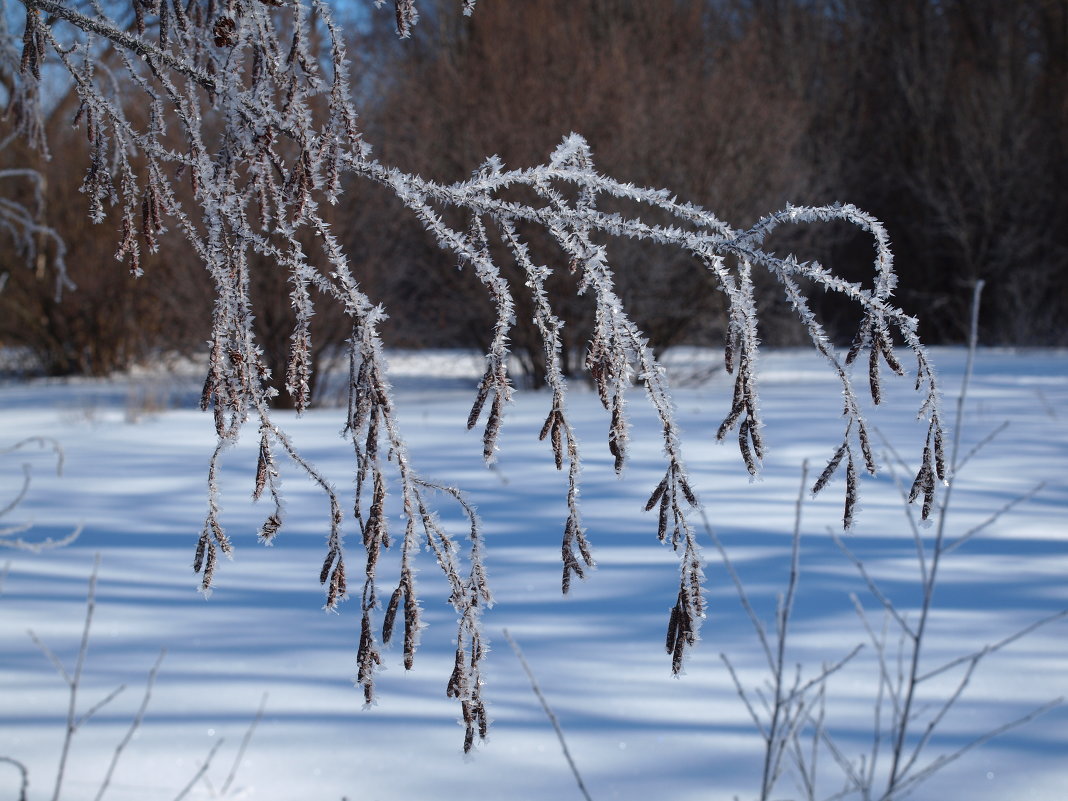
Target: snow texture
{"points": [[134, 477]]}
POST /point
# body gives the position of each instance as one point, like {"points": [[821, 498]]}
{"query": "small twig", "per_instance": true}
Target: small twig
{"points": [[135, 724], [43, 442], [917, 537], [841, 759], [36, 547], [824, 674], [549, 713], [21, 494], [24, 775], [994, 517], [50, 655], [200, 771], [886, 682], [758, 624], [111, 696], [937, 718], [74, 680], [244, 745], [989, 649], [982, 444], [7, 532], [973, 345], [888, 605], [744, 696], [909, 784]]}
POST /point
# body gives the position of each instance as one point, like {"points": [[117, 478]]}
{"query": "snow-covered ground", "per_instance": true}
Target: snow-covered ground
{"points": [[136, 453]]}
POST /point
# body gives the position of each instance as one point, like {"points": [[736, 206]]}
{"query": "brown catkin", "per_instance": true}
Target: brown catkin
{"points": [[851, 493], [390, 615], [829, 470], [890, 357], [939, 452], [662, 522], [262, 467], [873, 375], [270, 528], [865, 449], [657, 493], [672, 630], [328, 563], [480, 401], [743, 446]]}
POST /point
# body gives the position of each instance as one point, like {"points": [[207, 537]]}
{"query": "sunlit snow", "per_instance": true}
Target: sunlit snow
{"points": [[136, 454]]}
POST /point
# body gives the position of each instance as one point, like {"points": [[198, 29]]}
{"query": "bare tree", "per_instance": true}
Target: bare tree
{"points": [[247, 104], [961, 130]]}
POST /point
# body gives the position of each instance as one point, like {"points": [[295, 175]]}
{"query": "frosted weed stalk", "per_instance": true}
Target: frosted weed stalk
{"points": [[250, 127]]}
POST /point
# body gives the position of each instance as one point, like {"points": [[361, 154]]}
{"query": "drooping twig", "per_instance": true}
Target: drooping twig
{"points": [[251, 106]]}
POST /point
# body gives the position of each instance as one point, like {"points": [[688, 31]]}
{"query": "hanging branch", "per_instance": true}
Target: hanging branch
{"points": [[250, 127]]}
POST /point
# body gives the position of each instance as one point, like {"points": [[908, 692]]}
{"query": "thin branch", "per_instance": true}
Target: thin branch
{"points": [[135, 724], [51, 656], [776, 749], [897, 772], [740, 688], [24, 775], [937, 718], [994, 517], [244, 745], [111, 696], [888, 605], [825, 673], [42, 442], [996, 432], [200, 771], [74, 680], [910, 784], [886, 689], [40, 546], [549, 713], [123, 40], [21, 494], [743, 596], [989, 649]]}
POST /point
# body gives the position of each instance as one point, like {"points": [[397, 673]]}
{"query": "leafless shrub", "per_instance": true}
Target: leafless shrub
{"points": [[250, 104], [903, 727], [790, 712]]}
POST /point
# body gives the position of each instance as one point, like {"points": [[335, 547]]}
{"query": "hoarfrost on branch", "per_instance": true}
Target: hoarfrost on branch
{"points": [[245, 127]]}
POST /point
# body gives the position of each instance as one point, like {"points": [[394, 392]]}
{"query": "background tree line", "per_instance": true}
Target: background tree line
{"points": [[944, 118]]}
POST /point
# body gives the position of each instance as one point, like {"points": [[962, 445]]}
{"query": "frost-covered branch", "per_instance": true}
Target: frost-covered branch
{"points": [[245, 127]]}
